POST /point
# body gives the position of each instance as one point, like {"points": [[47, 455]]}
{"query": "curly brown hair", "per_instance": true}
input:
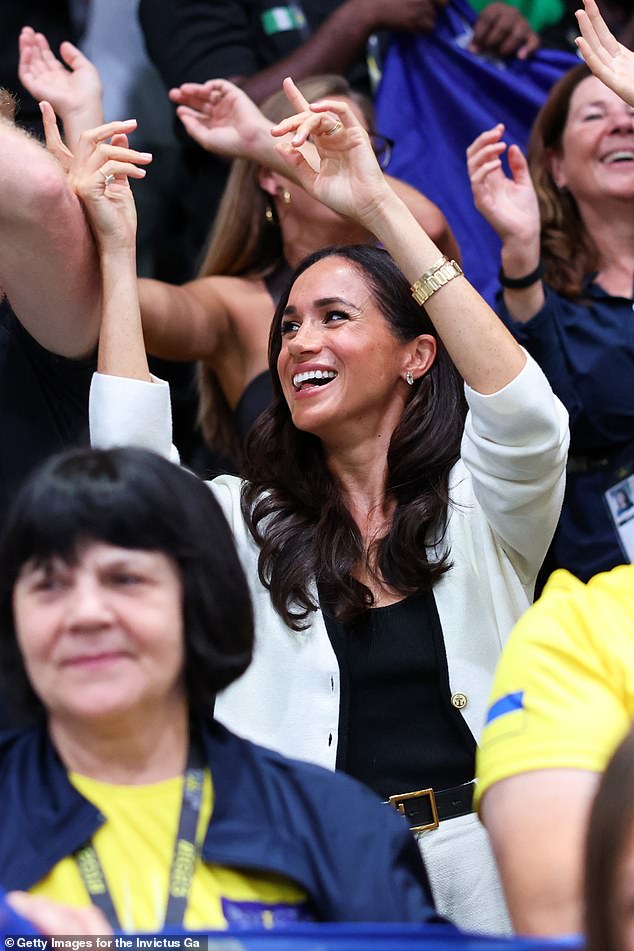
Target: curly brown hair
{"points": [[568, 251]]}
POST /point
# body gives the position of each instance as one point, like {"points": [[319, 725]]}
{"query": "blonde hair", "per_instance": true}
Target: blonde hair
{"points": [[244, 243]]}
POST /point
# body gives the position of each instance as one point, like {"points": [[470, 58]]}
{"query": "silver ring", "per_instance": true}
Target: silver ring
{"points": [[336, 127], [108, 178]]}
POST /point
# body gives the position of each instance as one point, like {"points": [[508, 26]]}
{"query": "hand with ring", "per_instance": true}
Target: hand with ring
{"points": [[98, 172], [348, 178]]}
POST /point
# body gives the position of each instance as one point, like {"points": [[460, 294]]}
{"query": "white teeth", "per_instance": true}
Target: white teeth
{"points": [[623, 156], [310, 375]]}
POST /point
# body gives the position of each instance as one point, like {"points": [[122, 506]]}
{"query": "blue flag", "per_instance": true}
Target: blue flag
{"points": [[435, 97]]}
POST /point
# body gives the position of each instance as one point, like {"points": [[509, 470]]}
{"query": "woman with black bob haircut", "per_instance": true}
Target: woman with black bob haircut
{"points": [[391, 540], [124, 609], [116, 497]]}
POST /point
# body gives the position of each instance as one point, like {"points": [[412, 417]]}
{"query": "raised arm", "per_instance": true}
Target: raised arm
{"points": [[101, 167], [223, 119], [511, 208], [350, 181], [48, 263], [608, 59], [72, 85]]}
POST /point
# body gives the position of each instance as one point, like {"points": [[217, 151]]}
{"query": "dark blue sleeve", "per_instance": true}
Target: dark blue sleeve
{"points": [[544, 337]]}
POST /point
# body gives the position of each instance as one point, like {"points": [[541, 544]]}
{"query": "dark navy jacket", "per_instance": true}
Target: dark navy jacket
{"points": [[586, 350], [354, 857]]}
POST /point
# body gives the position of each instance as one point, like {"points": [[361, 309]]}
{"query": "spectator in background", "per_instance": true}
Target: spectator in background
{"points": [[566, 221]]}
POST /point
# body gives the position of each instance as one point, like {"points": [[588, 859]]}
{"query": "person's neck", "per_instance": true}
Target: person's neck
{"points": [[133, 750], [612, 230], [361, 472]]}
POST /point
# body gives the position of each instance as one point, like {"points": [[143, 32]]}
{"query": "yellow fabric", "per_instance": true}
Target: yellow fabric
{"points": [[571, 656], [135, 847]]}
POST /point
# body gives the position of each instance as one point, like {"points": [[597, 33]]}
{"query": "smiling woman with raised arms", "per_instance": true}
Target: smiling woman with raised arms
{"points": [[390, 543]]}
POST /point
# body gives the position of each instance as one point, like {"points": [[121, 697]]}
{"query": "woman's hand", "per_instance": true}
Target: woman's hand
{"points": [[348, 178], [98, 172], [53, 918], [221, 118], [508, 204], [608, 59], [74, 92]]}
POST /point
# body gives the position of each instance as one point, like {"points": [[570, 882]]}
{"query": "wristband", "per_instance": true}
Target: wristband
{"points": [[520, 283]]}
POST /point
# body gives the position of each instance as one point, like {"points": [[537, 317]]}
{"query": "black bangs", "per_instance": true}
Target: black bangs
{"points": [[86, 496]]}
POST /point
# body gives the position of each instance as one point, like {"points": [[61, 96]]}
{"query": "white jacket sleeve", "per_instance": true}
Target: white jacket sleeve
{"points": [[515, 447], [126, 412]]}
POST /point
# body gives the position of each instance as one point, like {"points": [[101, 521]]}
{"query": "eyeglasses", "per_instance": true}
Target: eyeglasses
{"points": [[382, 148]]}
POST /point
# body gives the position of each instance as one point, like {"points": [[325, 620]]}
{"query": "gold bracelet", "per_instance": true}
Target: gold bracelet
{"points": [[436, 277]]}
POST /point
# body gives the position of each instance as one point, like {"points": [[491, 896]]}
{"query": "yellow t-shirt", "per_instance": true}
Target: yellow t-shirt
{"points": [[135, 847], [563, 693]]}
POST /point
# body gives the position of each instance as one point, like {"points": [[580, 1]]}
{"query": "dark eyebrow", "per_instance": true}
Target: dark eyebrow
{"points": [[320, 303]]}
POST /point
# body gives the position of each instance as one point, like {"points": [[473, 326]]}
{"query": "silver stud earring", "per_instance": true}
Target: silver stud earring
{"points": [[409, 378]]}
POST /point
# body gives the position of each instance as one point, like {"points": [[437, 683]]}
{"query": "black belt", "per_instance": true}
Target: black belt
{"points": [[620, 461], [425, 808]]}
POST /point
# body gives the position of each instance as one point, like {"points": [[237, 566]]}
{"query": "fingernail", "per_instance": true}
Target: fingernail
{"points": [[145, 155]]}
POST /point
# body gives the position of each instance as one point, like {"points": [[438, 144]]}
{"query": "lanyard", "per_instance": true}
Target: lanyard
{"points": [[183, 859]]}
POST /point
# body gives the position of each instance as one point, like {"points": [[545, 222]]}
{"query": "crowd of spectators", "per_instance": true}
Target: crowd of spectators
{"points": [[391, 469]]}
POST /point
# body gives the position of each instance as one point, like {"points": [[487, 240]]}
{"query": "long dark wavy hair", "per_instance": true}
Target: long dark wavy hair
{"points": [[568, 251], [294, 507]]}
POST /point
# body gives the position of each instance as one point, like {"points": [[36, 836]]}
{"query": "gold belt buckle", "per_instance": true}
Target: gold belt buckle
{"points": [[397, 802]]}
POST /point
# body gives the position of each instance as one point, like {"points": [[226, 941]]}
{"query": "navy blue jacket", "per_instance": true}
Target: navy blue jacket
{"points": [[586, 350], [354, 857]]}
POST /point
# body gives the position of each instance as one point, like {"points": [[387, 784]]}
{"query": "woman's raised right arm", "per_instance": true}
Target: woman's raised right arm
{"points": [[510, 206]]}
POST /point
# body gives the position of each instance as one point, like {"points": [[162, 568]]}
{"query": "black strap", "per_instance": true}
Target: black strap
{"points": [[520, 283], [183, 859]]}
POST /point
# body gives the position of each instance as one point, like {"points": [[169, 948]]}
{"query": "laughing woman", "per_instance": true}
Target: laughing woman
{"points": [[390, 544]]}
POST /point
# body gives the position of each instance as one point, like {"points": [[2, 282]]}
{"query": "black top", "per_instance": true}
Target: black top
{"points": [[398, 731], [51, 17], [43, 409], [259, 392], [254, 400]]}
